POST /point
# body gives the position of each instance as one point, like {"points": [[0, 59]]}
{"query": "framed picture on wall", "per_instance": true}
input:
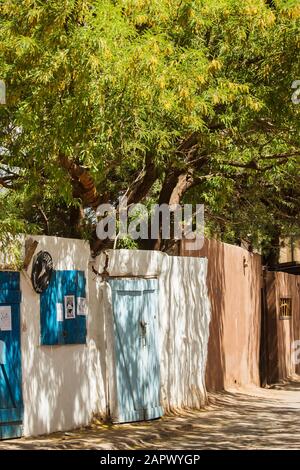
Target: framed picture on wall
{"points": [[69, 307]]}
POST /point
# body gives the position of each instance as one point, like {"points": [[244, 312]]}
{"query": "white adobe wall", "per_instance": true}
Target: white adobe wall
{"points": [[62, 385], [184, 320], [185, 317]]}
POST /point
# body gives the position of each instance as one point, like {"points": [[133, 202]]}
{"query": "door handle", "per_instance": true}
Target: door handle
{"points": [[143, 325]]}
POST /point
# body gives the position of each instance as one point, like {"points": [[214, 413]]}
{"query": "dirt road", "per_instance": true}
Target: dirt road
{"points": [[241, 419]]}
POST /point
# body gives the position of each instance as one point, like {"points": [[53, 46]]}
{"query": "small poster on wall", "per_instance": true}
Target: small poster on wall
{"points": [[59, 312], [5, 318], [69, 307], [81, 306]]}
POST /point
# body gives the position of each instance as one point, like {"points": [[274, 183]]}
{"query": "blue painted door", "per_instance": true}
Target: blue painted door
{"points": [[11, 403], [135, 312], [150, 353]]}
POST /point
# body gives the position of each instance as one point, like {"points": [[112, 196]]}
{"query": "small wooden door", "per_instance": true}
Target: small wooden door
{"points": [[135, 315], [11, 403]]}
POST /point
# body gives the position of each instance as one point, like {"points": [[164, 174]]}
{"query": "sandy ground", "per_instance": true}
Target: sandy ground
{"points": [[251, 418]]}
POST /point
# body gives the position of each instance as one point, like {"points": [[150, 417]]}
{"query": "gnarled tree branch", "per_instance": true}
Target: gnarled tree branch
{"points": [[81, 178]]}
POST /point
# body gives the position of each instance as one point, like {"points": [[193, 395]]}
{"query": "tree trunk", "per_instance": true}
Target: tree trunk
{"points": [[271, 256], [175, 185], [139, 190]]}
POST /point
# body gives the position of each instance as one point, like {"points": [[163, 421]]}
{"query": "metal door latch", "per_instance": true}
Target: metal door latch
{"points": [[143, 325]]}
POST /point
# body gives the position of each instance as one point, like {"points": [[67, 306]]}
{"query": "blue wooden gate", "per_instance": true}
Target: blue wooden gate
{"points": [[11, 403], [135, 312]]}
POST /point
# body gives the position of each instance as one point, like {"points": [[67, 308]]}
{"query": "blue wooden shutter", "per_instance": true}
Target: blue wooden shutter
{"points": [[69, 288], [51, 329], [67, 331], [81, 319]]}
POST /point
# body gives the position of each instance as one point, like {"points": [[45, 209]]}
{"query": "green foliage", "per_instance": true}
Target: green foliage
{"points": [[106, 83]]}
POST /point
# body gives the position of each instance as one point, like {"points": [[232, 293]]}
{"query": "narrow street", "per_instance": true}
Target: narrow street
{"points": [[251, 418]]}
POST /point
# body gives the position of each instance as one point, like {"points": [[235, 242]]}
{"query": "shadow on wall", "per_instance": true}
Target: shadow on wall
{"points": [[281, 332], [216, 365], [253, 278], [234, 286], [296, 319], [185, 333], [63, 386], [285, 289], [183, 320]]}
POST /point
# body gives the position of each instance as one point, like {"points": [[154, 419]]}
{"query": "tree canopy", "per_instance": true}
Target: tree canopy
{"points": [[165, 101]]}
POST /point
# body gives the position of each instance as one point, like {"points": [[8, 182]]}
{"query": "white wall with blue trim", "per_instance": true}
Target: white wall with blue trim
{"points": [[65, 385], [183, 314]]}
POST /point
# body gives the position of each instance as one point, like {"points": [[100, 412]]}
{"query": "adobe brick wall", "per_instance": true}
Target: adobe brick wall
{"points": [[234, 281], [281, 332]]}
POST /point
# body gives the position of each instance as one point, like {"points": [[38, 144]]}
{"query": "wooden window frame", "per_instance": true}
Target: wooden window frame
{"points": [[285, 308]]}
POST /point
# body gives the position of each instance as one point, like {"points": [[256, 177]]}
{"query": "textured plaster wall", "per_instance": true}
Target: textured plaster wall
{"points": [[184, 315], [281, 333], [62, 385], [234, 287]]}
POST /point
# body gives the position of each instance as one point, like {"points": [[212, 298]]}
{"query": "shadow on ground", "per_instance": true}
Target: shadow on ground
{"points": [[251, 418]]}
